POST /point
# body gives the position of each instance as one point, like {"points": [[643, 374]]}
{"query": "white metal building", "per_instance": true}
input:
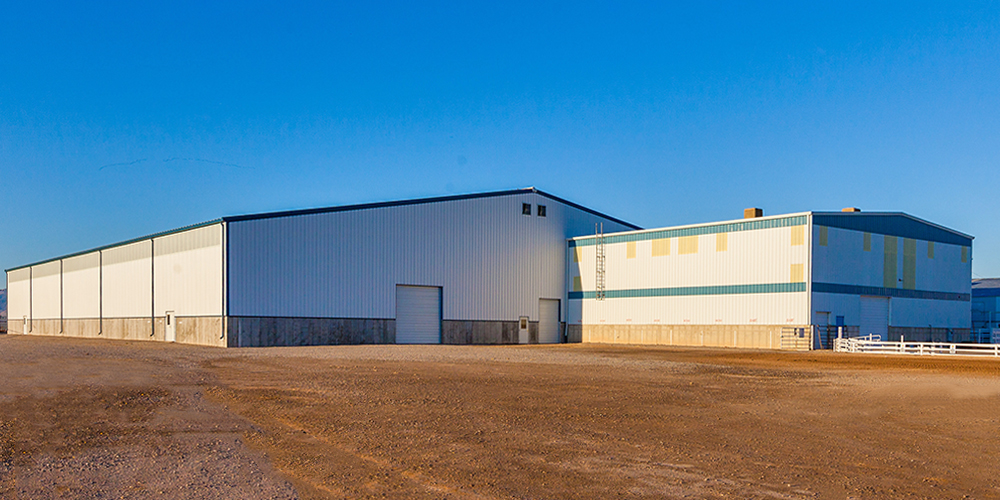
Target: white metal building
{"points": [[765, 281], [481, 268]]}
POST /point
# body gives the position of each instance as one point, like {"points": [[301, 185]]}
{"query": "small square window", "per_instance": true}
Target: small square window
{"points": [[526, 209], [541, 210]]}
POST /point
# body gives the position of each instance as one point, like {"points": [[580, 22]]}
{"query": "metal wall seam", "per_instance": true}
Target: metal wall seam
{"points": [[809, 277]]}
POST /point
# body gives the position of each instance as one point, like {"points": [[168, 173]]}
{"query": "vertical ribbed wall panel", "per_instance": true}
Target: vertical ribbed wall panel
{"points": [[18, 296], [188, 272], [82, 286], [749, 257], [46, 291], [127, 290], [492, 262], [843, 260]]}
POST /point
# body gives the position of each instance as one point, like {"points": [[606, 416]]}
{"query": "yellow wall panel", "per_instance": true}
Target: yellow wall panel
{"points": [[824, 234], [868, 242], [909, 263], [890, 262], [930, 249], [798, 273], [577, 284], [965, 255], [687, 245], [798, 235], [577, 254], [661, 247], [721, 242], [630, 250]]}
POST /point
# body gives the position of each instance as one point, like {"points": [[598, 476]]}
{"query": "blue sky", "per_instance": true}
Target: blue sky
{"points": [[123, 119]]}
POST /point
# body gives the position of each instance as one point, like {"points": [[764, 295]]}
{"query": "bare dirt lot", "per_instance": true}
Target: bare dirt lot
{"points": [[103, 419]]}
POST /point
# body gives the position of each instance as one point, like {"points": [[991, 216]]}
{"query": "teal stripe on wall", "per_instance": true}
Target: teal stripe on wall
{"points": [[878, 291], [695, 290], [733, 227]]}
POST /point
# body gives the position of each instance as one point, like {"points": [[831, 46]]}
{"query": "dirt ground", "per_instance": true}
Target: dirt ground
{"points": [[107, 419]]}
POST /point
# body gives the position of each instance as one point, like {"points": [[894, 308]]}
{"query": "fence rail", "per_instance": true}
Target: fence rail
{"points": [[878, 346]]}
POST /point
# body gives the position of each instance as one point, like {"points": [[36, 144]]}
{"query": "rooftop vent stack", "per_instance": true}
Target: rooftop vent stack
{"points": [[752, 213], [850, 209]]}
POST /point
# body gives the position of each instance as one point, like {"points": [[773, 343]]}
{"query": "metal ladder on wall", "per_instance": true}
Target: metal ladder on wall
{"points": [[600, 260]]}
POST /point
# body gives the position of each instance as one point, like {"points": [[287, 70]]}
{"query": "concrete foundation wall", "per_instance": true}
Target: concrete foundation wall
{"points": [[265, 332], [484, 332], [745, 336], [198, 330]]}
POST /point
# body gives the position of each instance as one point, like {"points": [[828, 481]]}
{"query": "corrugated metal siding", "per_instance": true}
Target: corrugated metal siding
{"points": [[492, 262], [18, 295], [82, 286], [188, 272], [46, 291], [761, 257], [128, 285]]}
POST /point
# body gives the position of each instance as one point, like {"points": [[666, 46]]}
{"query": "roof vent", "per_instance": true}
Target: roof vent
{"points": [[850, 209], [753, 213]]}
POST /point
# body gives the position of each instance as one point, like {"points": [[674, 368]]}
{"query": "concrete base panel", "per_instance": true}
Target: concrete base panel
{"points": [[270, 331], [484, 332], [743, 336], [199, 330]]}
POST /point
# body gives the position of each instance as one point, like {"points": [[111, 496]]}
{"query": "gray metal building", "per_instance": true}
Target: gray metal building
{"points": [[481, 268]]}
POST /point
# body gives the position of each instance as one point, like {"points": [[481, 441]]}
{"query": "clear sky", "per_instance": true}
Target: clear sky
{"points": [[119, 119]]}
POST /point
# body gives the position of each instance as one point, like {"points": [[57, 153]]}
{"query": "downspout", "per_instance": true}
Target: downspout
{"points": [[152, 289], [100, 292], [225, 280], [62, 300]]}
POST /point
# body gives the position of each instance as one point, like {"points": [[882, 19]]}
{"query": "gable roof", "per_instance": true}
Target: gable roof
{"points": [[342, 208], [892, 224], [421, 201]]}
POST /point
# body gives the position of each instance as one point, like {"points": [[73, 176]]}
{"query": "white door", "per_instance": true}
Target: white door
{"points": [[171, 330], [875, 316], [418, 314], [548, 321], [522, 330]]}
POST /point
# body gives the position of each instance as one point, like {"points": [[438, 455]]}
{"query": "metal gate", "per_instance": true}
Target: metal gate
{"points": [[797, 338]]}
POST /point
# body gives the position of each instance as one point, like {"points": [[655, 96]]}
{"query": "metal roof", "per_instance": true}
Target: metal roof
{"points": [[986, 287], [892, 224], [887, 223], [420, 201], [342, 208]]}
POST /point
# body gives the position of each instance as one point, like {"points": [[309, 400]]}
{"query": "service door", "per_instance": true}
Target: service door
{"points": [[548, 321], [418, 314], [171, 327], [875, 316]]}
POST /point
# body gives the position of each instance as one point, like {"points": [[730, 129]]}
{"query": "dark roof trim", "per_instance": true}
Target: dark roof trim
{"points": [[121, 244], [420, 201], [986, 287], [345, 208], [892, 224]]}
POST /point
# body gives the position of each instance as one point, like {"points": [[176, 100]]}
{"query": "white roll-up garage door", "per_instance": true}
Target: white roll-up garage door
{"points": [[418, 315], [548, 321], [875, 316]]}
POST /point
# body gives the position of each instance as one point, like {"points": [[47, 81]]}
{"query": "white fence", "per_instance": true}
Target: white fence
{"points": [[875, 345]]}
